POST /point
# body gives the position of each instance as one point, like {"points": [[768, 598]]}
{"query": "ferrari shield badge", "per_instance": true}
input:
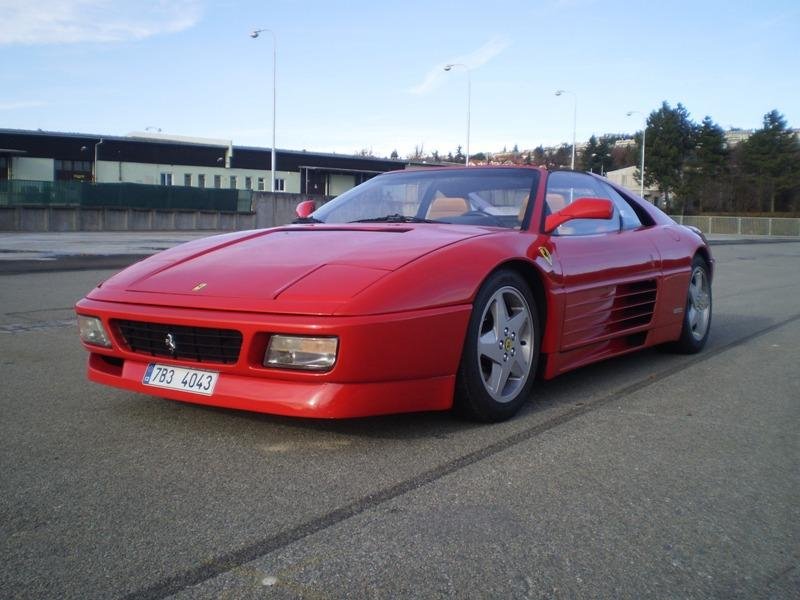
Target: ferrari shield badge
{"points": [[199, 287], [545, 254]]}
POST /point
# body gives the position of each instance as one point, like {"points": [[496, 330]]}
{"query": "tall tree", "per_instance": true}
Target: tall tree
{"points": [[596, 156], [770, 158], [671, 138], [561, 158], [706, 165], [588, 155]]}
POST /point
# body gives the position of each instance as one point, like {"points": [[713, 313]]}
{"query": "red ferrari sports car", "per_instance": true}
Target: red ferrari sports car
{"points": [[418, 290]]}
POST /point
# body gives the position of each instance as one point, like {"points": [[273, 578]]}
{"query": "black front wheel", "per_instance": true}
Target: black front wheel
{"points": [[697, 313], [501, 350]]}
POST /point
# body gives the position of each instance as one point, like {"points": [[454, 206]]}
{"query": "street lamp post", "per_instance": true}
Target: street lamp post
{"points": [[469, 98], [574, 120], [254, 35], [644, 132], [94, 165]]}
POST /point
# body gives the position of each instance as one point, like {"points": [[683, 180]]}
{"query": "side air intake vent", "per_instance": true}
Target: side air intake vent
{"points": [[608, 311]]}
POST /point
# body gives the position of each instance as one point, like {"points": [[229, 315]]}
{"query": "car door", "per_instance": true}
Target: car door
{"points": [[609, 269]]}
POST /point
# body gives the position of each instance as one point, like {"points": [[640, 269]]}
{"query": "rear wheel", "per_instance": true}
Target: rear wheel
{"points": [[697, 314], [501, 350]]}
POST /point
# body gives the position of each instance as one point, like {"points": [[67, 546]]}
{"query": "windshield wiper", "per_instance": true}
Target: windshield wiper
{"points": [[395, 218], [302, 220]]}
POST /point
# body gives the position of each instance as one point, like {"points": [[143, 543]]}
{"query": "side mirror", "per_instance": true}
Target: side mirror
{"points": [[305, 208], [582, 208]]}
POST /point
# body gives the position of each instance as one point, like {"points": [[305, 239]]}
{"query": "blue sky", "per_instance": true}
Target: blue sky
{"points": [[368, 74]]}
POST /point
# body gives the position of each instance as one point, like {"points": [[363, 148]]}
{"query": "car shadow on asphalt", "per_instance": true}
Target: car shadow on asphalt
{"points": [[576, 388]]}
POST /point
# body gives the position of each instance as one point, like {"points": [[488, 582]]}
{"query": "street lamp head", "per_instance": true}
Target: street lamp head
{"points": [[254, 34], [559, 92], [448, 67], [629, 113]]}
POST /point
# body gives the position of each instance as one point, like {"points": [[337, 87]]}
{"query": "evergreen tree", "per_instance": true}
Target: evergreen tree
{"points": [[770, 158], [561, 158], [394, 154], [587, 158], [707, 164], [596, 156], [671, 138], [459, 157], [604, 158]]}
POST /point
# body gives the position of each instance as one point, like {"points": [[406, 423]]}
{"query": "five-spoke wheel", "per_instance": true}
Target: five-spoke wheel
{"points": [[697, 313], [501, 350]]}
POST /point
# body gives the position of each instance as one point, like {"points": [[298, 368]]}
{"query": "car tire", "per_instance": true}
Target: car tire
{"points": [[501, 350], [697, 313]]}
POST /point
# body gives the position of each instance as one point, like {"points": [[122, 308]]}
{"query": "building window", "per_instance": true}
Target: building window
{"points": [[248, 183], [73, 170], [260, 184], [201, 180], [3, 168], [280, 185], [187, 179], [166, 179], [217, 181], [233, 182]]}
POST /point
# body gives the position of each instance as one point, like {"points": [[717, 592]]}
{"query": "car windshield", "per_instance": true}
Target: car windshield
{"points": [[493, 197]]}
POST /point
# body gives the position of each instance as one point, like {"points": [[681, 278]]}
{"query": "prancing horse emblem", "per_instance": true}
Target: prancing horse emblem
{"points": [[171, 344], [199, 287], [545, 254]]}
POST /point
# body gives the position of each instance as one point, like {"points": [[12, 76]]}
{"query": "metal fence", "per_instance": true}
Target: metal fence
{"points": [[17, 192], [743, 225]]}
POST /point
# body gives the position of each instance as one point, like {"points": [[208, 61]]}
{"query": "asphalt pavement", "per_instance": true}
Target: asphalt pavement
{"points": [[652, 475]]}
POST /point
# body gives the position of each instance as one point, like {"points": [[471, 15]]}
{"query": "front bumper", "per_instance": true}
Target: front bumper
{"points": [[401, 362]]}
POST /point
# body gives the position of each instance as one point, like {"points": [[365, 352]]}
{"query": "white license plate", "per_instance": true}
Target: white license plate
{"points": [[194, 381]]}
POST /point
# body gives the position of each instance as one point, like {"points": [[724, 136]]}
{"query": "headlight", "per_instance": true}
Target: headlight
{"points": [[92, 331], [296, 352]]}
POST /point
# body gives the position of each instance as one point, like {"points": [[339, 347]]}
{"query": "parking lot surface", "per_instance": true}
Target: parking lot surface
{"points": [[653, 475]]}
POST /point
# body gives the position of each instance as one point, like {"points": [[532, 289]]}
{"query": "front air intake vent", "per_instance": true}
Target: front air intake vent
{"points": [[195, 344]]}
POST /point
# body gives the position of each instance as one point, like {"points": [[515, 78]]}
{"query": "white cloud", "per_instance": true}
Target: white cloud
{"points": [[72, 21], [473, 60], [21, 104]]}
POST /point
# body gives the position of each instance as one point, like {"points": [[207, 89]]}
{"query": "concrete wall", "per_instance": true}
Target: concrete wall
{"points": [[38, 218], [34, 169], [279, 209], [268, 210]]}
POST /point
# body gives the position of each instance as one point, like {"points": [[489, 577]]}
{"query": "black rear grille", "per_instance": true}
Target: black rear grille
{"points": [[198, 344]]}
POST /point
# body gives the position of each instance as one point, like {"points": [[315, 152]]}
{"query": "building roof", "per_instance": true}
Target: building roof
{"points": [[160, 148]]}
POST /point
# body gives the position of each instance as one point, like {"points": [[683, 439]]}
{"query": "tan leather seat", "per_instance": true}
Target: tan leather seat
{"points": [[555, 202], [445, 206]]}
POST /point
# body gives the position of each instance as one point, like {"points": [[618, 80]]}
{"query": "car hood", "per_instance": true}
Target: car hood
{"points": [[297, 269]]}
